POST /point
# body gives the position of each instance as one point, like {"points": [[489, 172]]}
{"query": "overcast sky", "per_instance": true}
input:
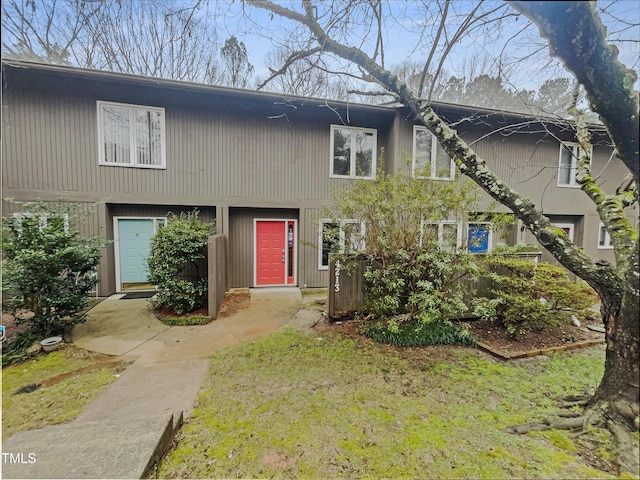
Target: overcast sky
{"points": [[407, 35], [403, 40]]}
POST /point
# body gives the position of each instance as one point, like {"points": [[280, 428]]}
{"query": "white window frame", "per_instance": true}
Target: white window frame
{"points": [[132, 136], [352, 160], [43, 217], [435, 146], [440, 224], [489, 237], [569, 226], [604, 241], [575, 149], [341, 236], [604, 238]]}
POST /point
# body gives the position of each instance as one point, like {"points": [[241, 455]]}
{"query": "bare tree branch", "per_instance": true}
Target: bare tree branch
{"points": [[610, 86], [432, 51], [295, 56]]}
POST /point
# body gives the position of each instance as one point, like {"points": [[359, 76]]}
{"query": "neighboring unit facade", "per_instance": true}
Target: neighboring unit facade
{"points": [[262, 165]]}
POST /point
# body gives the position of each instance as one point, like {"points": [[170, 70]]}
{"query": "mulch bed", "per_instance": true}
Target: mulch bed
{"points": [[233, 302], [166, 312], [494, 339]]}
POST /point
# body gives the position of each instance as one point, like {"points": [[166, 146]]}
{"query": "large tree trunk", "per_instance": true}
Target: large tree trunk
{"points": [[620, 384]]}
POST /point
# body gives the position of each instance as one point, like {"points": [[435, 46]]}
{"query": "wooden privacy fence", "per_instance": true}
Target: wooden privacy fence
{"points": [[346, 284], [217, 272]]}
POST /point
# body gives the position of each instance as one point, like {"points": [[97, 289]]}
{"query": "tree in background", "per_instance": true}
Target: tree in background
{"points": [[302, 78], [46, 31], [576, 36], [157, 38], [160, 38], [237, 69], [552, 98]]}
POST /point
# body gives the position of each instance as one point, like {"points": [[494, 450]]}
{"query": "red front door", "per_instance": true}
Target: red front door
{"points": [[275, 253]]}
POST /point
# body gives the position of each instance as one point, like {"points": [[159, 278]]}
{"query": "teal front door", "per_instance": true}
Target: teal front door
{"points": [[135, 245]]}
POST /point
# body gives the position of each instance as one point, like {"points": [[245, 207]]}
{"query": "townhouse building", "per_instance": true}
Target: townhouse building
{"points": [[262, 165]]}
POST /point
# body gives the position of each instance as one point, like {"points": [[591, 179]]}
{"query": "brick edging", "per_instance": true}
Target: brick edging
{"points": [[541, 351]]}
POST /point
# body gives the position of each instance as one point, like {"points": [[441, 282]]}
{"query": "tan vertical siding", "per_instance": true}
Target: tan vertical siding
{"points": [[51, 145], [205, 215], [311, 276]]}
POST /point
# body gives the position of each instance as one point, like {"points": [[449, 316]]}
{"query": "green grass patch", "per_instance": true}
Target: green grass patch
{"points": [[314, 292], [188, 320], [295, 405], [63, 394]]}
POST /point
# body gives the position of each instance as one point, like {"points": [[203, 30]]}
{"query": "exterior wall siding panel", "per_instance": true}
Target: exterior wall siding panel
{"points": [[211, 155], [311, 275]]}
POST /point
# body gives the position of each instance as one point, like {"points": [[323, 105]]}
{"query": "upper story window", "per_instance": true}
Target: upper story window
{"points": [[568, 164], [604, 239], [353, 152], [341, 236], [429, 158], [131, 135], [447, 233]]}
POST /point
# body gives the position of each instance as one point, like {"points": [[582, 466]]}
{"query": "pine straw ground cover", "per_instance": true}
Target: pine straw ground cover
{"points": [[317, 404]]}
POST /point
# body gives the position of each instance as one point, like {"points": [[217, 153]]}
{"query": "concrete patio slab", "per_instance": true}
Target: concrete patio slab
{"points": [[117, 326]]}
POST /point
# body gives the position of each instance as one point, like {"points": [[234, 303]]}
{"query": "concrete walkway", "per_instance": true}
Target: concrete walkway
{"points": [[124, 431]]}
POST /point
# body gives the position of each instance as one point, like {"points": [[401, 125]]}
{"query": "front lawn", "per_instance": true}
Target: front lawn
{"points": [[53, 388], [323, 405]]}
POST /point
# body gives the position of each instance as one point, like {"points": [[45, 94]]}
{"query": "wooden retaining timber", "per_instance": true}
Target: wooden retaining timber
{"points": [[536, 352]]}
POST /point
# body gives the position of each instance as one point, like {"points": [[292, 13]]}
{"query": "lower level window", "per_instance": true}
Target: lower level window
{"points": [[341, 236], [446, 233], [41, 221]]}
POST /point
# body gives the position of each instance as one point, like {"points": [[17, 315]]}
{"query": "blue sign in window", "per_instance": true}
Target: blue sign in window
{"points": [[478, 238]]}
